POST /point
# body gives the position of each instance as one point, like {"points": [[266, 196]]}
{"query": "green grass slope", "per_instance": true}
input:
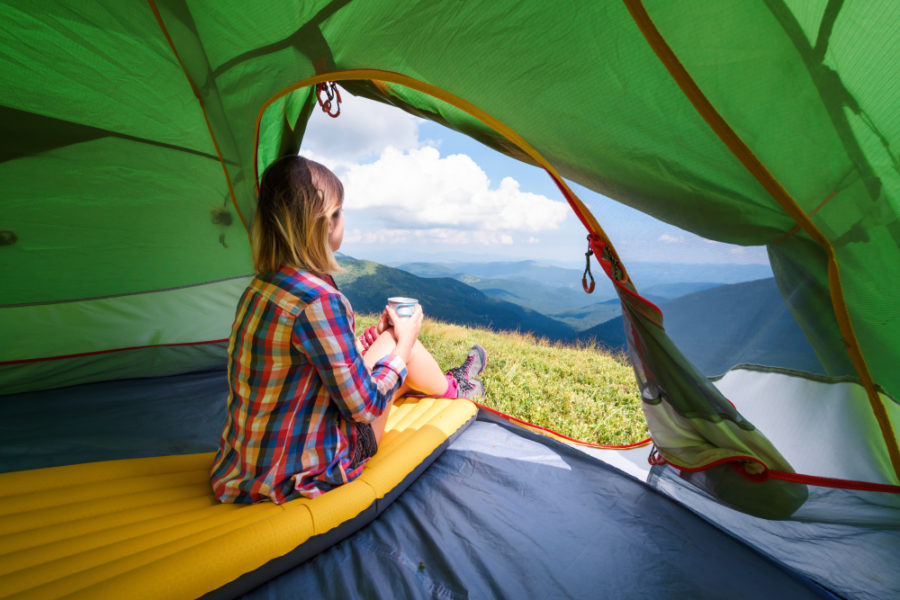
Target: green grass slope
{"points": [[580, 392]]}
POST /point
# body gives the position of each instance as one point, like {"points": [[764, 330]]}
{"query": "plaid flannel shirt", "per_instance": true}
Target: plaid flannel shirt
{"points": [[296, 382]]}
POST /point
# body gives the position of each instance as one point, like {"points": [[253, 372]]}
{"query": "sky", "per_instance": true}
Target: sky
{"points": [[415, 191]]}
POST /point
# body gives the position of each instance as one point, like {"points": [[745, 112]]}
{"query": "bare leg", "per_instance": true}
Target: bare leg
{"points": [[423, 373], [379, 423]]}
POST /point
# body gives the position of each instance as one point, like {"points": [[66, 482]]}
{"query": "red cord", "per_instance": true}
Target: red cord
{"points": [[330, 91]]}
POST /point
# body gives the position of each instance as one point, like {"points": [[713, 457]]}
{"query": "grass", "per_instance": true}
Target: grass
{"points": [[580, 392]]}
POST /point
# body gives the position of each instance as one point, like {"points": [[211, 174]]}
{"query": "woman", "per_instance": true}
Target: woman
{"points": [[308, 400]]}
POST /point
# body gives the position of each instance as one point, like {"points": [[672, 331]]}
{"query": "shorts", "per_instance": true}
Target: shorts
{"points": [[366, 444]]}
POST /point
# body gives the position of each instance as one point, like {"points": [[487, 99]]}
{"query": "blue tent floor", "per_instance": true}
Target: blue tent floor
{"points": [[502, 513]]}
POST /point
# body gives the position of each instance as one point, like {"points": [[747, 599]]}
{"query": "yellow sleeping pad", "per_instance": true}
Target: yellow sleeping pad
{"points": [[151, 527]]}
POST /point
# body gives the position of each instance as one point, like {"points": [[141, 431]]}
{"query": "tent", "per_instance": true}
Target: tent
{"points": [[134, 136]]}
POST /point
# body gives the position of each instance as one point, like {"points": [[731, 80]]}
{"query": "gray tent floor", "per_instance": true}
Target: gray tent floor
{"points": [[505, 514], [502, 513]]}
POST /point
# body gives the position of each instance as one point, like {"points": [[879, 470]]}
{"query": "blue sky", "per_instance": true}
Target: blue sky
{"points": [[417, 191]]}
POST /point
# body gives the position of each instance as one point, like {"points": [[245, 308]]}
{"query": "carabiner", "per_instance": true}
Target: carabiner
{"points": [[588, 287]]}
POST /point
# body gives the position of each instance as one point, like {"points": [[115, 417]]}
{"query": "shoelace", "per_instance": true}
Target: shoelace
{"points": [[463, 368]]}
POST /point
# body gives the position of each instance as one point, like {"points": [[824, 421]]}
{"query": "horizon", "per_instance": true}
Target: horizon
{"points": [[469, 259], [644, 274]]}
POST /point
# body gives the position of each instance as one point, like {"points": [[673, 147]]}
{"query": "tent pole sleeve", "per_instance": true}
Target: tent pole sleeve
{"points": [[752, 163]]}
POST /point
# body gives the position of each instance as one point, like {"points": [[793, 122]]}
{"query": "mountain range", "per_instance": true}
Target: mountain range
{"points": [[368, 285], [717, 318], [727, 325], [557, 291]]}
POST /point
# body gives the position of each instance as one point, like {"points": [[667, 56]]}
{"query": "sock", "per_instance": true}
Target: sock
{"points": [[452, 387]]}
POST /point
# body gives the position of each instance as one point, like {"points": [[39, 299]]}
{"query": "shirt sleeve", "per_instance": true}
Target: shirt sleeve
{"points": [[324, 333]]}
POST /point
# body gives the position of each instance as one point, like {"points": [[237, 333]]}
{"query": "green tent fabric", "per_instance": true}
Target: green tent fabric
{"points": [[134, 135]]}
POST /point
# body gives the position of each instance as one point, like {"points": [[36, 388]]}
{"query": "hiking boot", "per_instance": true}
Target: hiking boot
{"points": [[472, 389], [465, 374]]}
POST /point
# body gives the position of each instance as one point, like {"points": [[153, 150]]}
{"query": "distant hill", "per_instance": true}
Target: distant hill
{"points": [[728, 325], [529, 270], [368, 285], [546, 299], [667, 291], [556, 291], [647, 274], [540, 287], [609, 334], [716, 327], [644, 274], [588, 315]]}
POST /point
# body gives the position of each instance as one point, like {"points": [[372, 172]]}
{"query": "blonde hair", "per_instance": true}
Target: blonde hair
{"points": [[297, 200]]}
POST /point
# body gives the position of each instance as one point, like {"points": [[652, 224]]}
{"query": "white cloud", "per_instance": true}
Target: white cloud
{"points": [[362, 131], [409, 192], [419, 189], [453, 237], [671, 239]]}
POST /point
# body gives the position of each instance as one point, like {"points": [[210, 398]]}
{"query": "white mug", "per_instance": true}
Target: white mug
{"points": [[403, 306]]}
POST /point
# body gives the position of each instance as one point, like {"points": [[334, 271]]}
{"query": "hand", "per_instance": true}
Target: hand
{"points": [[405, 329], [384, 322], [369, 336]]}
